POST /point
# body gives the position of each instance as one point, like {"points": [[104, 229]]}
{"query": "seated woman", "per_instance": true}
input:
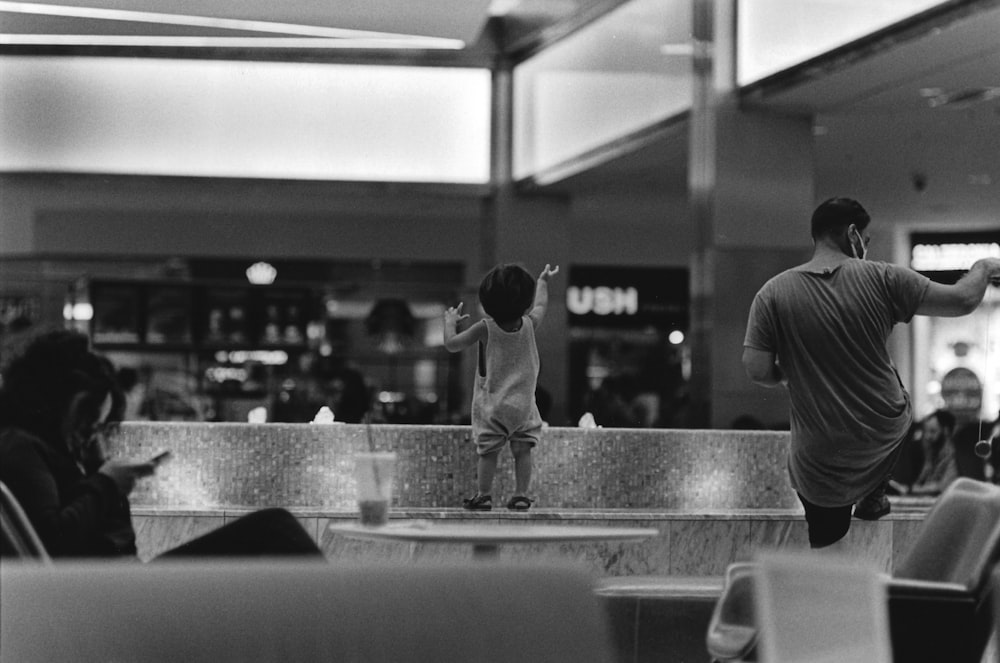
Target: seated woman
{"points": [[939, 468], [56, 401]]}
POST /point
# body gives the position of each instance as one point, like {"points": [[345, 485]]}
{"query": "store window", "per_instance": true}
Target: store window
{"points": [[362, 338], [629, 362], [957, 360]]}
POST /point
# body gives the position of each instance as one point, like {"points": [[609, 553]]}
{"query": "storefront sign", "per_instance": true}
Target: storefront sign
{"points": [[627, 297], [221, 374], [946, 256], [602, 300], [266, 357]]}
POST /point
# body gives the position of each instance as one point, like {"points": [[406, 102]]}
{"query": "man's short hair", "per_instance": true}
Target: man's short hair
{"points": [[834, 215]]}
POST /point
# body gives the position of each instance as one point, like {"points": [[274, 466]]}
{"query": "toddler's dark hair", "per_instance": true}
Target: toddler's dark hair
{"points": [[507, 292]]}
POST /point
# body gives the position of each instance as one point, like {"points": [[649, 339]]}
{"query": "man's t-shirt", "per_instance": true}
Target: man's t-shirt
{"points": [[849, 410]]}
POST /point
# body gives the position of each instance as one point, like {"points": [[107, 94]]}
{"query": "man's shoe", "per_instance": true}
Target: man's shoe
{"points": [[873, 507], [478, 503]]}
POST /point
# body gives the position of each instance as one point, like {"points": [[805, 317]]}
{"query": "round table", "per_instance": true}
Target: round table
{"points": [[485, 538]]}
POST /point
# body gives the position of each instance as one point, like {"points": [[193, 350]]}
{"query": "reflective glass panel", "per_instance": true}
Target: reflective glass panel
{"points": [[622, 73], [773, 35], [213, 118]]}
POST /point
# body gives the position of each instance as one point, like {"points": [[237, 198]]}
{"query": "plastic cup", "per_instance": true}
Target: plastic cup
{"points": [[374, 474]]}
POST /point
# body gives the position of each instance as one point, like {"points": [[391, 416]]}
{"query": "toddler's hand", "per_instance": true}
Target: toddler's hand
{"points": [[453, 315], [548, 272]]}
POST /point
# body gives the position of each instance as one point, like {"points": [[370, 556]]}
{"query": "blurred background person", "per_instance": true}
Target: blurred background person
{"points": [[939, 468], [57, 402]]}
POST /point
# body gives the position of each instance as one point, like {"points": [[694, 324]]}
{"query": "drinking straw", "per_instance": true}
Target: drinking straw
{"points": [[371, 448]]}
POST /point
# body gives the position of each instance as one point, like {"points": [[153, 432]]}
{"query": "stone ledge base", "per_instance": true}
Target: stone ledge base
{"points": [[689, 544]]}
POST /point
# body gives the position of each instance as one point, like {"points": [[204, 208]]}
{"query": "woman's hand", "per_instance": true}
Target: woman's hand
{"points": [[126, 474], [90, 454]]}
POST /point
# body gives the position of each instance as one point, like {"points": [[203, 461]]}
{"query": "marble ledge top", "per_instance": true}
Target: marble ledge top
{"points": [[673, 587], [538, 514]]}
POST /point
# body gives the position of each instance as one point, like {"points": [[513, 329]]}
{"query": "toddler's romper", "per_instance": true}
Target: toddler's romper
{"points": [[503, 399]]}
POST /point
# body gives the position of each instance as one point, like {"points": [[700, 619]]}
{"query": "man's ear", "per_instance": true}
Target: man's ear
{"points": [[844, 241]]}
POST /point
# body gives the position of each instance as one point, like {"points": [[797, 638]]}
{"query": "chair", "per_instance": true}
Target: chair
{"points": [[18, 538], [939, 598], [732, 631], [813, 609], [992, 653], [255, 611]]}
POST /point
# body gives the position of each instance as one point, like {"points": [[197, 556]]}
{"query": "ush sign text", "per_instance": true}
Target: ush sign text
{"points": [[627, 297], [602, 300]]}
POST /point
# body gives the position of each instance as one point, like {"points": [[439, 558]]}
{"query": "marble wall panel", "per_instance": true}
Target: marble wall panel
{"points": [[232, 465], [158, 534], [687, 545], [871, 542], [904, 535], [790, 534], [868, 541], [705, 547]]}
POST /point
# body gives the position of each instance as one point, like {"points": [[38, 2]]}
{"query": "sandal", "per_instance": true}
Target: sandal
{"points": [[478, 503], [519, 503]]}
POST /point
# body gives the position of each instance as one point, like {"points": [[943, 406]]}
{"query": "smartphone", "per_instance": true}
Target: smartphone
{"points": [[160, 458]]}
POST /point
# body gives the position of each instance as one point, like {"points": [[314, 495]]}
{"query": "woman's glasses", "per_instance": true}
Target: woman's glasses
{"points": [[100, 430]]}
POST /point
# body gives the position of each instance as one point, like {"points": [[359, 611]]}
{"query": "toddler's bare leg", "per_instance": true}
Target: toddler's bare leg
{"points": [[522, 466], [486, 469]]}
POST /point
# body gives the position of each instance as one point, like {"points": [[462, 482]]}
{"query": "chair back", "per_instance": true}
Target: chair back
{"points": [[18, 538], [249, 611], [959, 541], [821, 609], [991, 653]]}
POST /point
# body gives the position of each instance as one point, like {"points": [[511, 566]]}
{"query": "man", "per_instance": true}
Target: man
{"points": [[821, 329]]}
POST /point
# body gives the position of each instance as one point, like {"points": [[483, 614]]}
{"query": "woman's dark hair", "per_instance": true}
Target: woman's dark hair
{"points": [[833, 216], [507, 292], [39, 385], [944, 418]]}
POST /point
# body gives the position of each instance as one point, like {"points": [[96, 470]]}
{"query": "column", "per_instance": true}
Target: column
{"points": [[751, 188], [532, 230]]}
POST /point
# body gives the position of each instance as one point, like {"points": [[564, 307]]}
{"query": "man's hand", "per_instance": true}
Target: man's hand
{"points": [[992, 266], [548, 272]]}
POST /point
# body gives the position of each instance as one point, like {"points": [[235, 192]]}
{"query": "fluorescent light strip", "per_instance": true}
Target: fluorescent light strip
{"points": [[214, 22], [229, 42]]}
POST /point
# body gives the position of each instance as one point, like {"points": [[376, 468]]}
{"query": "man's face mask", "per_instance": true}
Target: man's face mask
{"points": [[859, 244]]}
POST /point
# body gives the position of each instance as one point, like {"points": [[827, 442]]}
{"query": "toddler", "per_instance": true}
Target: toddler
{"points": [[503, 400]]}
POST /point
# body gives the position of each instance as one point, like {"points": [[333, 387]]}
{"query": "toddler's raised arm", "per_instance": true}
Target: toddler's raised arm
{"points": [[542, 295], [455, 341]]}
